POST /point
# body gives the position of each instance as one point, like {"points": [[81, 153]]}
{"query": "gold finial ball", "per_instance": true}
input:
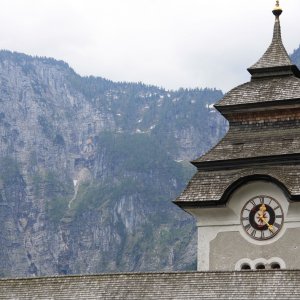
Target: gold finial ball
{"points": [[277, 11]]}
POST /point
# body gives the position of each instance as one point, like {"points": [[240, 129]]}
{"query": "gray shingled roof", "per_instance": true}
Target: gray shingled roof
{"points": [[211, 185], [263, 90], [282, 284], [256, 140], [274, 77], [258, 146], [276, 54]]}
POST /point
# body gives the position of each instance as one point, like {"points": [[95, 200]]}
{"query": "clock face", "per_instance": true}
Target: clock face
{"points": [[262, 217]]}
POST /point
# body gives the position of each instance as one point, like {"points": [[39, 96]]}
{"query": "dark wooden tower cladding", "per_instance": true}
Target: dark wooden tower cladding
{"points": [[263, 141]]}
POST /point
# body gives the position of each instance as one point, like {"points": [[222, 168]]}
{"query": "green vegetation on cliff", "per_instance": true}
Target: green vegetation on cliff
{"points": [[93, 168]]}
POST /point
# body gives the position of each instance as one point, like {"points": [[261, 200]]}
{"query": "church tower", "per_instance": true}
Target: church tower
{"points": [[245, 195]]}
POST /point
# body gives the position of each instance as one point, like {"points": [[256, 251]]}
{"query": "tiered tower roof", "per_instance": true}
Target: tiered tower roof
{"points": [[264, 133]]}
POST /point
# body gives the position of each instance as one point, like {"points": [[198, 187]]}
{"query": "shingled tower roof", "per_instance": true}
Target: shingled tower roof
{"points": [[274, 76], [276, 55], [264, 133]]}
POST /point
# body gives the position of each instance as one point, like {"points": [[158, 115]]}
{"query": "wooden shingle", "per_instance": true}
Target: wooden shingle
{"points": [[247, 285]]}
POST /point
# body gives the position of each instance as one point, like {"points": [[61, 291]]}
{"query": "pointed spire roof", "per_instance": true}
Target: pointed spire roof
{"points": [[276, 56], [274, 77]]}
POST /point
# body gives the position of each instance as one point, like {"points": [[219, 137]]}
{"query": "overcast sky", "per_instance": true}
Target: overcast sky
{"points": [[168, 43]]}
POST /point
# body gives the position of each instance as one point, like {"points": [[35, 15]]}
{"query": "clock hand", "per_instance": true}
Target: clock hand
{"points": [[270, 227], [261, 212]]}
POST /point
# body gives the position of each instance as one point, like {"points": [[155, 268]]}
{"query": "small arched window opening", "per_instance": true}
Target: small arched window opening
{"points": [[275, 265], [245, 267], [260, 267]]}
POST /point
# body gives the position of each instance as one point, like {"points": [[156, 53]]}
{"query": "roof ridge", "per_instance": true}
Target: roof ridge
{"points": [[157, 273]]}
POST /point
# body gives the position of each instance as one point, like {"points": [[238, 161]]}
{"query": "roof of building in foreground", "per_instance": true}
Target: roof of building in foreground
{"points": [[267, 284]]}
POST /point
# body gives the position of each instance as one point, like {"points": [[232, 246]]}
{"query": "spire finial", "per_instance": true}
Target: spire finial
{"points": [[277, 9]]}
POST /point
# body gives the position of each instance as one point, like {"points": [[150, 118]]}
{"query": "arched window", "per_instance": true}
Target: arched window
{"points": [[260, 266], [245, 267], [275, 265]]}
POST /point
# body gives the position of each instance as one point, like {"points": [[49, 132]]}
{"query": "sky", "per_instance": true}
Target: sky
{"points": [[167, 43]]}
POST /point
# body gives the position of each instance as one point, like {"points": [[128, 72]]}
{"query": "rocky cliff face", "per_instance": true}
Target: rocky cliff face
{"points": [[89, 168]]}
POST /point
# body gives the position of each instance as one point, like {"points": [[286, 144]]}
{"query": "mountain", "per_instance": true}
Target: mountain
{"points": [[295, 57], [89, 169]]}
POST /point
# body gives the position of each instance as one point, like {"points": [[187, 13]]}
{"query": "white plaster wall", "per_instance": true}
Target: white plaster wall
{"points": [[211, 221]]}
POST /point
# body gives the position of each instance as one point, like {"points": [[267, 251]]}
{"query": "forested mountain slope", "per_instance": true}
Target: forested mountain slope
{"points": [[295, 56], [89, 168]]}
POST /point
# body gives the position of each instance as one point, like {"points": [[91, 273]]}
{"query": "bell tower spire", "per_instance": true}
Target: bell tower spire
{"points": [[275, 60]]}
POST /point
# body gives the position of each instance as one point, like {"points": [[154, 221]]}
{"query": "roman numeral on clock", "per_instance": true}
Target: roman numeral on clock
{"points": [[247, 227], [276, 225]]}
